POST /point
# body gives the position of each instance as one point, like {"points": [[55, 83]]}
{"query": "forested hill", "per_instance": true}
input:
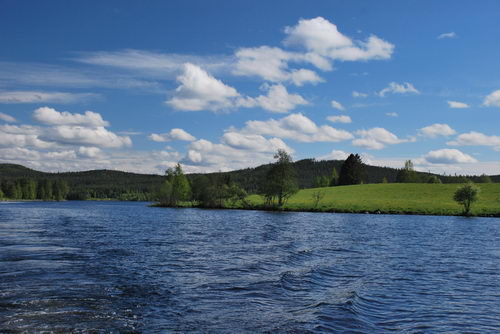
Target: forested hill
{"points": [[114, 184], [89, 184], [309, 169]]}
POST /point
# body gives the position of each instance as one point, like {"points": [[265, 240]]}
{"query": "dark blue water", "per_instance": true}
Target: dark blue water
{"points": [[87, 267]]}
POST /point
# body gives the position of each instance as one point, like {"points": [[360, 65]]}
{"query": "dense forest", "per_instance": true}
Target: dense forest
{"points": [[18, 182]]}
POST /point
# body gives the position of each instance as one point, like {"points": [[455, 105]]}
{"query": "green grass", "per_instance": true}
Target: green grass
{"points": [[408, 198]]}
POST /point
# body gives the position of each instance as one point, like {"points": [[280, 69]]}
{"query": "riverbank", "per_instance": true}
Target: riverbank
{"points": [[393, 198]]}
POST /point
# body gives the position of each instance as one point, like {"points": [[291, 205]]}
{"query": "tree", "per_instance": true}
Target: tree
{"points": [[466, 195], [60, 190], [433, 179], [317, 197], [281, 180], [407, 174], [44, 191], [164, 193], [180, 186], [485, 179], [335, 177], [351, 171], [321, 181]]}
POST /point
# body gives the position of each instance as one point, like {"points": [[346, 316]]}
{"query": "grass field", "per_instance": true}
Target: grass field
{"points": [[407, 198]]}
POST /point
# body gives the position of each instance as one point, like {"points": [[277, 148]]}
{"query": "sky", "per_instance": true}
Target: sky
{"points": [[221, 85]]}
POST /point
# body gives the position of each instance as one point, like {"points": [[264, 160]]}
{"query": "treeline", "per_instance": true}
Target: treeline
{"points": [[407, 174], [28, 189], [313, 173], [207, 191], [95, 184]]}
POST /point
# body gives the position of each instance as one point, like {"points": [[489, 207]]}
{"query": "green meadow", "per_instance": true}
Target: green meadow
{"points": [[397, 198]]}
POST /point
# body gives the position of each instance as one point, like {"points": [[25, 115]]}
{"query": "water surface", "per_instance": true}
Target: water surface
{"points": [[88, 267]]}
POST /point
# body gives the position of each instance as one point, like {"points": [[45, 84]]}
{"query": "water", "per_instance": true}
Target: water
{"points": [[99, 267]]}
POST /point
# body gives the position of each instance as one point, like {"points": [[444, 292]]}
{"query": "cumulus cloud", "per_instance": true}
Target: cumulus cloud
{"points": [[435, 130], [277, 100], [457, 105], [474, 138], [376, 139], [22, 136], [174, 134], [448, 156], [13, 97], [334, 155], [235, 151], [492, 100], [79, 135], [337, 105], [447, 35], [322, 38], [199, 90], [339, 119], [396, 88], [296, 127], [254, 142], [392, 114], [271, 64], [51, 116], [7, 118], [359, 94], [90, 152]]}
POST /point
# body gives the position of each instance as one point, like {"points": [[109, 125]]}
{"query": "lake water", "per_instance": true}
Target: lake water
{"points": [[123, 267]]}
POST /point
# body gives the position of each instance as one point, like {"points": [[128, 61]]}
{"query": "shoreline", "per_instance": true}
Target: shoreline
{"points": [[371, 212]]}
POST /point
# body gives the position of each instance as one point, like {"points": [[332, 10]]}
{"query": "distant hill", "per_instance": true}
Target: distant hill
{"points": [[96, 183], [111, 183]]}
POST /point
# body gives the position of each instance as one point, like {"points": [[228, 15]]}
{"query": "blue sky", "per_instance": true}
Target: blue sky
{"points": [[221, 85]]}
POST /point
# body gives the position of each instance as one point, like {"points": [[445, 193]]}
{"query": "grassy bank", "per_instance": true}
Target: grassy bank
{"points": [[408, 198]]}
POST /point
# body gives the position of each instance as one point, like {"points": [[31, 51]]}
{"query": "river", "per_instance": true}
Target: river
{"points": [[123, 267]]}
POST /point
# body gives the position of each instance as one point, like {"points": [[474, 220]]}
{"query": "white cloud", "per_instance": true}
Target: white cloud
{"points": [[253, 142], [277, 100], [457, 105], [493, 100], [90, 152], [235, 151], [296, 127], [337, 105], [79, 135], [28, 74], [447, 35], [448, 156], [392, 114], [7, 118], [396, 88], [21, 136], [43, 97], [474, 138], [200, 91], [359, 94], [376, 139], [435, 130], [51, 116], [335, 155], [321, 37], [152, 63], [339, 119], [174, 134], [271, 64]]}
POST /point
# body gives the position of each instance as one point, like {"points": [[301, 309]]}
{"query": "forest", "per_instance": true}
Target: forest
{"points": [[19, 182]]}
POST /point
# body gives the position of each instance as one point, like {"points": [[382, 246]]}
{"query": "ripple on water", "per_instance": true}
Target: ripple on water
{"points": [[86, 267]]}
